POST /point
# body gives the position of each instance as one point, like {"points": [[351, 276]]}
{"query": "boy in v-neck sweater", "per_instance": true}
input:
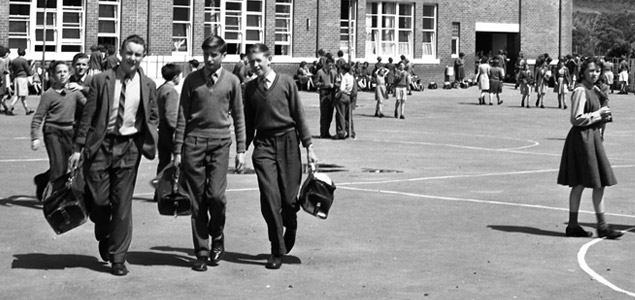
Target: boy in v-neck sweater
{"points": [[275, 122], [202, 142]]}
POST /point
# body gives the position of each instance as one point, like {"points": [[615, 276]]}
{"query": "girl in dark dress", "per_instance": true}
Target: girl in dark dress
{"points": [[584, 163]]}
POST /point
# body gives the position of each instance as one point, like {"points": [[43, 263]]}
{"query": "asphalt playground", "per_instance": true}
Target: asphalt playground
{"points": [[457, 201]]}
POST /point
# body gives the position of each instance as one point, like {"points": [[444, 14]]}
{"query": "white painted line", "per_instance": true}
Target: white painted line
{"points": [[475, 200], [22, 160], [597, 277]]}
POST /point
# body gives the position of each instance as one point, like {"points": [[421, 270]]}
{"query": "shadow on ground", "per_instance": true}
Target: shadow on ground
{"points": [[232, 257], [21, 200], [525, 229], [43, 261]]}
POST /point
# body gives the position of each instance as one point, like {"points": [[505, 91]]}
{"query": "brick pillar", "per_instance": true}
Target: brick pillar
{"points": [[198, 32], [304, 28], [92, 25], [134, 19], [160, 27], [328, 25], [360, 44], [4, 19]]}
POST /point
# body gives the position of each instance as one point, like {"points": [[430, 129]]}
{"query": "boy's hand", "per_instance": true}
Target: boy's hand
{"points": [[74, 86], [35, 144], [177, 160], [240, 163], [73, 161]]}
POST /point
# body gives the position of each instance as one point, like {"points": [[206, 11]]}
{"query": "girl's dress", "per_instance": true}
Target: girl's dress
{"points": [[482, 77], [496, 75], [525, 79], [584, 161], [562, 83], [459, 70], [380, 88]]}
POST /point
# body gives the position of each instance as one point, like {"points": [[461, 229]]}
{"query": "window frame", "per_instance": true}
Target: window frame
{"points": [[243, 15], [456, 40], [345, 29], [115, 19], [388, 29], [188, 28], [26, 34], [280, 31], [433, 31]]}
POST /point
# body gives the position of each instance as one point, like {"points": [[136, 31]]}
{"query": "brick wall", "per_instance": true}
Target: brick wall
{"points": [[304, 28], [328, 25], [160, 27], [4, 20], [199, 29], [92, 24], [539, 28], [134, 18]]}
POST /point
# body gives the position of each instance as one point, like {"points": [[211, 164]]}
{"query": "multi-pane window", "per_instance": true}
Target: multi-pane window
{"points": [[284, 10], [429, 31], [182, 26], [389, 29], [108, 23], [456, 34], [239, 22], [19, 29], [347, 30]]}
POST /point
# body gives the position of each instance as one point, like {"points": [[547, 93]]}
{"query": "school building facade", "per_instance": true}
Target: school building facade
{"points": [[429, 33]]}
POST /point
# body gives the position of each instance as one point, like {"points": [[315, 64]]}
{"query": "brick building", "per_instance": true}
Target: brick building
{"points": [[430, 33]]}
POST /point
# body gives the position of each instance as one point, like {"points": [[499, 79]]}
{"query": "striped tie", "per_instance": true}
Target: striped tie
{"points": [[122, 104]]}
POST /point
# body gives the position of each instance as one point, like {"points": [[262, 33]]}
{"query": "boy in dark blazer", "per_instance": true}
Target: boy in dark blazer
{"points": [[118, 125]]}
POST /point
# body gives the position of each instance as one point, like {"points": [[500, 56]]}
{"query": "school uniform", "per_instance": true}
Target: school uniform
{"points": [[343, 106], [275, 122], [56, 111], [323, 78], [203, 137], [114, 133], [168, 105]]}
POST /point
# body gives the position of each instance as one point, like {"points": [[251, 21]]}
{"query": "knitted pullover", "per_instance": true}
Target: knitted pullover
{"points": [[204, 109], [276, 110], [56, 109]]}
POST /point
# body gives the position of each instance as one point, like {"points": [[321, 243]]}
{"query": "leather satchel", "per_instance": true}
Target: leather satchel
{"points": [[171, 199], [317, 194], [64, 205]]}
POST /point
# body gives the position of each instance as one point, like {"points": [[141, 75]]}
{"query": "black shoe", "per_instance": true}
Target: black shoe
{"points": [[500, 102], [119, 269], [218, 249], [542, 106], [402, 117], [30, 111], [103, 250], [381, 115], [565, 107], [9, 112], [376, 115], [200, 264], [609, 233], [274, 262], [289, 238], [396, 115], [325, 136], [577, 231]]}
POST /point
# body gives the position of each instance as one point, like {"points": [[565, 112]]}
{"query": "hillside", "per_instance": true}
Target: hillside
{"points": [[604, 6], [603, 27]]}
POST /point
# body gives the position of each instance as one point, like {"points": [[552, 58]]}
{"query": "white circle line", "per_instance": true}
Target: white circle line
{"points": [[597, 277]]}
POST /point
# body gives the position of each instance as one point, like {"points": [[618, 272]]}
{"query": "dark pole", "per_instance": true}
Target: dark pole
{"points": [[44, 81], [560, 29]]}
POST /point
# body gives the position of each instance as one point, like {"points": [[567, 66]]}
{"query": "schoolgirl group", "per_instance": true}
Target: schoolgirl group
{"points": [[87, 125]]}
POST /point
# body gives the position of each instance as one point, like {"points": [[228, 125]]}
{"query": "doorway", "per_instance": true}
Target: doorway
{"points": [[489, 43]]}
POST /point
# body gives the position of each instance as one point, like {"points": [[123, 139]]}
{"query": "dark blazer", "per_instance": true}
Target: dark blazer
{"points": [[94, 122]]}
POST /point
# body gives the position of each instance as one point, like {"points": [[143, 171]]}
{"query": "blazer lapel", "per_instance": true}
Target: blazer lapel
{"points": [[110, 90]]}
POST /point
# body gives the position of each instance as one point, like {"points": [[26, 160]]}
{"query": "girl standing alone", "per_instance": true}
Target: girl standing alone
{"points": [[584, 163]]}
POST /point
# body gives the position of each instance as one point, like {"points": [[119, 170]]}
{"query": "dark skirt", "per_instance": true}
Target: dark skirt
{"points": [[495, 86], [584, 161]]}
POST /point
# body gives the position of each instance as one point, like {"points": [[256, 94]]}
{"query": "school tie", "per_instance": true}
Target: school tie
{"points": [[122, 103], [212, 78], [263, 84]]}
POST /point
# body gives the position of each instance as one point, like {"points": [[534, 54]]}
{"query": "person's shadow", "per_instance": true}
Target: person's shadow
{"points": [[232, 257], [28, 201], [43, 261], [525, 229]]}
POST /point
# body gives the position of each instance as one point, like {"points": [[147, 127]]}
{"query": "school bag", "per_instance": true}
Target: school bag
{"points": [[432, 86], [171, 199], [317, 194], [64, 206]]}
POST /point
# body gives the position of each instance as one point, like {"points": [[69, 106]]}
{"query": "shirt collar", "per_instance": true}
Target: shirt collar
{"points": [[208, 73], [121, 75], [270, 77]]}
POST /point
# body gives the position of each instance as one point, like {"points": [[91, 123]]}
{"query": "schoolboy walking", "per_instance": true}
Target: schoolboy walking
{"points": [[203, 137], [20, 69], [275, 122], [325, 82], [343, 121], [56, 111], [168, 104]]}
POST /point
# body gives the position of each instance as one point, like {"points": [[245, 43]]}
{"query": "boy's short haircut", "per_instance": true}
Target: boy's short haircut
{"points": [[53, 65], [79, 56], [214, 41], [169, 71], [330, 60], [134, 39], [21, 52], [260, 48], [194, 63], [346, 67]]}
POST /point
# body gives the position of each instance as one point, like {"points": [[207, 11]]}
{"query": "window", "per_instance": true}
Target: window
{"points": [[238, 22], [19, 23], [59, 26], [181, 26], [429, 31], [389, 29], [108, 23], [456, 34], [349, 7], [283, 27]]}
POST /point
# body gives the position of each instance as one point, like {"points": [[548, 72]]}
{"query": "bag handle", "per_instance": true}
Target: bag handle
{"points": [[175, 183]]}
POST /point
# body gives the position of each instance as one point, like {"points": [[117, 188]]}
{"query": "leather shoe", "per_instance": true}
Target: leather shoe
{"points": [[218, 249], [103, 250], [289, 238], [119, 269], [274, 262], [609, 233], [200, 264], [577, 231]]}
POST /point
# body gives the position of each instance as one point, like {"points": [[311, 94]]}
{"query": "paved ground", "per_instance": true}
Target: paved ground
{"points": [[471, 211]]}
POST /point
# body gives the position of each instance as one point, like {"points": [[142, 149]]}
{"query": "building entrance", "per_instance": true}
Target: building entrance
{"points": [[489, 43]]}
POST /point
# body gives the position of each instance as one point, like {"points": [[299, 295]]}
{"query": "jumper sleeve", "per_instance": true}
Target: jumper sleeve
{"points": [[184, 110], [172, 108], [250, 131], [38, 117], [578, 116], [238, 115]]}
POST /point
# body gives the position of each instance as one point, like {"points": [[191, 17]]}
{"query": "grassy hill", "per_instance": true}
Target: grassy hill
{"points": [[604, 6], [603, 27]]}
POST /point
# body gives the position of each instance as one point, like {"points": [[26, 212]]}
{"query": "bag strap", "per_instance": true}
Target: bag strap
{"points": [[175, 183]]}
